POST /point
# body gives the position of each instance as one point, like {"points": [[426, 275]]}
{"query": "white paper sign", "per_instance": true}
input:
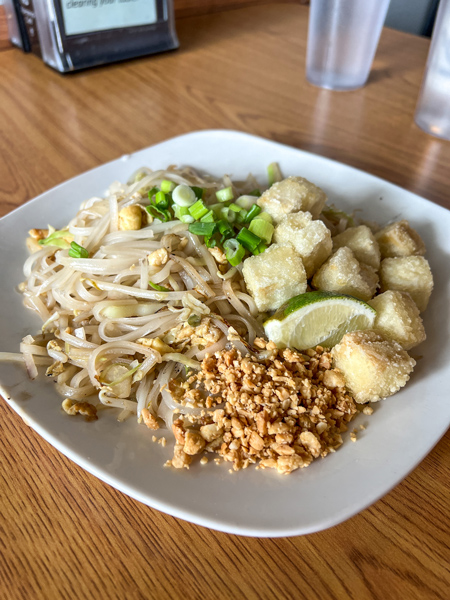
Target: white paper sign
{"points": [[86, 16]]}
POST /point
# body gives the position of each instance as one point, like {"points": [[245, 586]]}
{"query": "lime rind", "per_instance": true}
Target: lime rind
{"points": [[318, 318], [302, 300]]}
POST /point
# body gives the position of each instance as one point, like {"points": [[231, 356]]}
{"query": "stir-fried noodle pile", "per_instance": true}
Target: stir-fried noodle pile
{"points": [[109, 332]]}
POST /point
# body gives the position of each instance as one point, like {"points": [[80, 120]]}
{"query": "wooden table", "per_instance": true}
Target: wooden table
{"points": [[65, 534]]}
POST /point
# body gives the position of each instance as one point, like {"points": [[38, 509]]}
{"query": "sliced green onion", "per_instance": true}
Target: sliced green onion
{"points": [[274, 173], [183, 195], [265, 216], [198, 191], [260, 249], [208, 218], [158, 213], [227, 215], [241, 216], [255, 193], [248, 239], [234, 207], [234, 251], [198, 210], [210, 241], [194, 320], [202, 228], [262, 228], [152, 192], [158, 288], [225, 194], [167, 186], [225, 229], [182, 214], [161, 201], [246, 201], [252, 213], [77, 251]]}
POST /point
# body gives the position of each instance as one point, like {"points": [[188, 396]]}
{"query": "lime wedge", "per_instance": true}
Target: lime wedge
{"points": [[318, 318]]}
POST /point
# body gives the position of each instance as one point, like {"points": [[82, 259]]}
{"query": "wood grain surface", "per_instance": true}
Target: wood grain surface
{"points": [[65, 534]]}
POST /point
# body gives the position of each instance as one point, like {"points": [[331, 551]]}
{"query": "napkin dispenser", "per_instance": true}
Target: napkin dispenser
{"points": [[75, 34]]}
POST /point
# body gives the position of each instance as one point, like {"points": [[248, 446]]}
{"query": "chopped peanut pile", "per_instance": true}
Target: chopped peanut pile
{"points": [[282, 409]]}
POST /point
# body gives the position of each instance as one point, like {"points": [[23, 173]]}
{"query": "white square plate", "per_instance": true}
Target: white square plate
{"points": [[399, 434]]}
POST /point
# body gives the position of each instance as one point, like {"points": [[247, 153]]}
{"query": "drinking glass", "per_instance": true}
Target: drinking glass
{"points": [[433, 107], [342, 39]]}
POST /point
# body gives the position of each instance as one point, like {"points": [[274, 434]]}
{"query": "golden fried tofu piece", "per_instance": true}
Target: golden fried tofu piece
{"points": [[373, 366], [343, 274], [399, 239], [274, 276], [398, 318], [290, 196], [362, 243], [311, 239], [410, 274]]}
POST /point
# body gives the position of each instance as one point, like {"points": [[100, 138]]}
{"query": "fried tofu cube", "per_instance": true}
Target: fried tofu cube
{"points": [[373, 366], [410, 274], [290, 196], [274, 276], [399, 239], [398, 318], [343, 274], [362, 243], [311, 239]]}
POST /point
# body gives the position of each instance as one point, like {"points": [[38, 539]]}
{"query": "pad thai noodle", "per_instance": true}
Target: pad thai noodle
{"points": [[140, 286]]}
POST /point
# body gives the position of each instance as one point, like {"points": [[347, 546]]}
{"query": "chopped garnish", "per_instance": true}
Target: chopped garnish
{"points": [[208, 218], [167, 186], [274, 173], [260, 249], [262, 228], [77, 251], [234, 252], [158, 288], [227, 214], [246, 201], [225, 194], [161, 200], [182, 213], [202, 228], [152, 192], [255, 193], [265, 216], [158, 213], [252, 213], [198, 210], [183, 195], [248, 239], [225, 230], [198, 191]]}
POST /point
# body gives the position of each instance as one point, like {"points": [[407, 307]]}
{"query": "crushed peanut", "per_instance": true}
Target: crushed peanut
{"points": [[158, 258], [281, 410], [149, 419], [368, 410], [219, 255], [71, 407]]}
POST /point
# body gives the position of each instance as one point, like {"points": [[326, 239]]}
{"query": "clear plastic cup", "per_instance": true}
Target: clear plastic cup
{"points": [[342, 39], [433, 107]]}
